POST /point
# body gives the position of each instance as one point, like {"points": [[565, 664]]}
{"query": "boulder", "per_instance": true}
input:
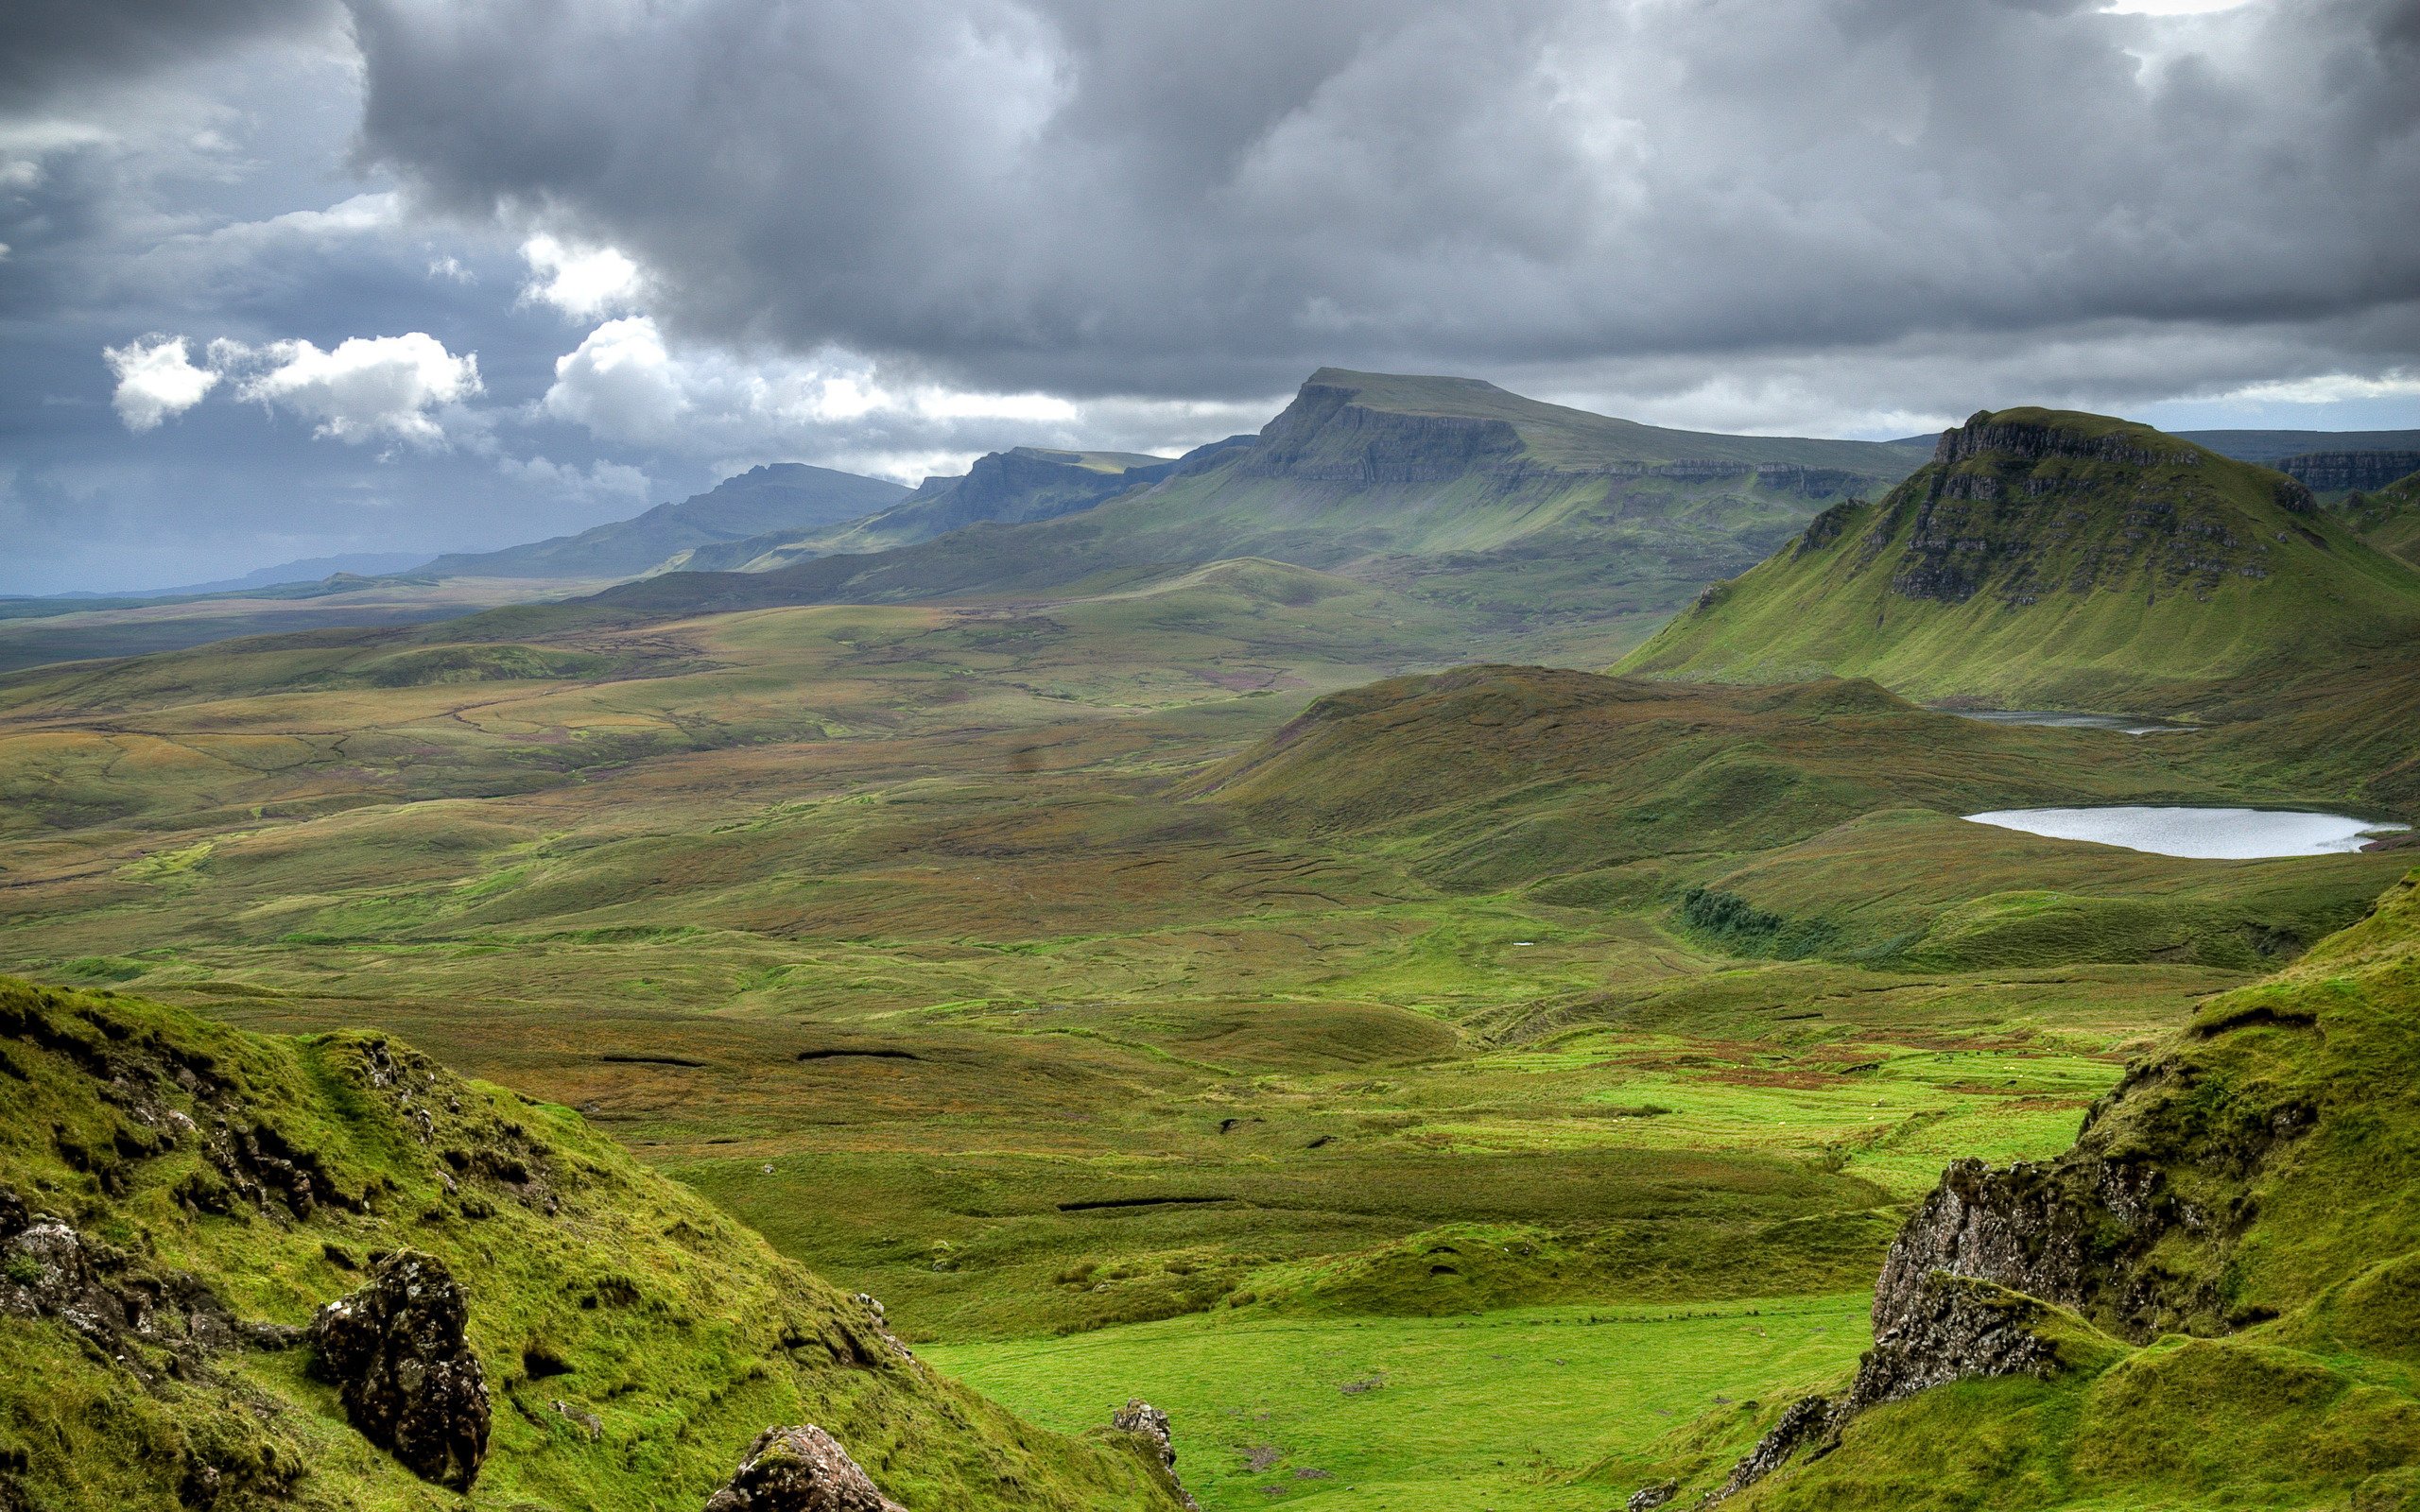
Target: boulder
{"points": [[799, 1470], [397, 1354]]}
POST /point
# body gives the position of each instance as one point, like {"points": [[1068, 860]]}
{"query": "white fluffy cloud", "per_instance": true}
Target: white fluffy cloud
{"points": [[625, 384], [585, 282], [368, 388], [156, 379]]}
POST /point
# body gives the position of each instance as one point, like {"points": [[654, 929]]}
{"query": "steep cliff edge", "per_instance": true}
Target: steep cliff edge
{"points": [[240, 1272], [2214, 1296]]}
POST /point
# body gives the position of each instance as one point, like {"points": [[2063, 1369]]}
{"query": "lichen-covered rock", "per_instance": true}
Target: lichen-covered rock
{"points": [[397, 1354], [1648, 1498], [799, 1470], [1150, 1424], [47, 1271]]}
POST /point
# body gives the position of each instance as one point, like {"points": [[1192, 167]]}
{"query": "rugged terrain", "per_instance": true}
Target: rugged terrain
{"points": [[177, 1198], [2206, 1302]]}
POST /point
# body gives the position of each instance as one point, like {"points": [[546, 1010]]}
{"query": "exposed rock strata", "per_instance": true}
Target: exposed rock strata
{"points": [[2337, 472], [403, 1368], [801, 1468]]}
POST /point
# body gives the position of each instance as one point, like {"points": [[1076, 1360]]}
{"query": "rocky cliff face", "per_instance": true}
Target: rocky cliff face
{"points": [[1325, 437], [2337, 472], [2005, 510]]}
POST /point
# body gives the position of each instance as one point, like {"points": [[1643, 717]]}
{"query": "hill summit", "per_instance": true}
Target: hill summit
{"points": [[2046, 557]]}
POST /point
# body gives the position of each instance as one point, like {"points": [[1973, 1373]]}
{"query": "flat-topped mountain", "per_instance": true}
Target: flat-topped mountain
{"points": [[2051, 558], [780, 497]]}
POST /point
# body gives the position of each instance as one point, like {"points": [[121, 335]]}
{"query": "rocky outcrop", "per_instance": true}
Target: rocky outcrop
{"points": [[2337, 472], [397, 1354], [2033, 442], [1147, 1422], [799, 1470], [47, 1271], [1325, 436], [1648, 1498], [1952, 1328]]}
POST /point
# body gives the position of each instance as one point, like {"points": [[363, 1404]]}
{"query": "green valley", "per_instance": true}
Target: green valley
{"points": [[1223, 945]]}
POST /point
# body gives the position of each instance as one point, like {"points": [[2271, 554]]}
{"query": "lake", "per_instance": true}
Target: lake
{"points": [[2204, 833]]}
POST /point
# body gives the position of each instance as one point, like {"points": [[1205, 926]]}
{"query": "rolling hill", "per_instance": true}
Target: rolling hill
{"points": [[2046, 558], [781, 496]]}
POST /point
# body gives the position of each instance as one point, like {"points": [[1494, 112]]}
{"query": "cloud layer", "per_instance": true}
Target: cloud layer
{"points": [[1210, 197]]}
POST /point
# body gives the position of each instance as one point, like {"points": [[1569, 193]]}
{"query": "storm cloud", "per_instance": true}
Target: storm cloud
{"points": [[1205, 197], [285, 278]]}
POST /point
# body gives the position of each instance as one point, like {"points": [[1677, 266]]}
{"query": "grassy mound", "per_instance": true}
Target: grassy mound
{"points": [[2053, 560], [634, 1337]]}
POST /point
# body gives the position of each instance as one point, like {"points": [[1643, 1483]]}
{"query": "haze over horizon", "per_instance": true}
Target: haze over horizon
{"points": [[290, 279]]}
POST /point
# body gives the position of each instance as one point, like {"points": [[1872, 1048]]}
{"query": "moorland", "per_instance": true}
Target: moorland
{"points": [[1350, 937]]}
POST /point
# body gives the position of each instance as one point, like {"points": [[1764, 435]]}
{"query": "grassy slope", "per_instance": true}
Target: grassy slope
{"points": [[2319, 1405], [2086, 596], [2389, 519], [681, 1331]]}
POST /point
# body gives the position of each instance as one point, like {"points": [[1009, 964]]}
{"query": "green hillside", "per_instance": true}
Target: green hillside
{"points": [[206, 1189], [2045, 558], [787, 497], [2210, 1300], [2390, 518]]}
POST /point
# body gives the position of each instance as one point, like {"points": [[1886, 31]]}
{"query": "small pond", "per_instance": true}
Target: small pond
{"points": [[2208, 834]]}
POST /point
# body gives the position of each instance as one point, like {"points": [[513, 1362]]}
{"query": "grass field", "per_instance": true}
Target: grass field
{"points": [[1066, 976], [1531, 1407]]}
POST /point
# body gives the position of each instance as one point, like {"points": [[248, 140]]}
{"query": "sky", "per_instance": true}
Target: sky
{"points": [[293, 278]]}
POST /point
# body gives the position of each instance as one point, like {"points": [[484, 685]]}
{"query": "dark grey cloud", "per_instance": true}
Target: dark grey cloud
{"points": [[50, 47], [1206, 197]]}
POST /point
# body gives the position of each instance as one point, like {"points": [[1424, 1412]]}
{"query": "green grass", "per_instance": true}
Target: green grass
{"points": [[679, 1329], [1530, 1407]]}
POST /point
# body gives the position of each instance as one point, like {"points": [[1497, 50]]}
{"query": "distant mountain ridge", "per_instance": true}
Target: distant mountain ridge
{"points": [[2050, 558], [777, 496], [1022, 484], [1514, 510]]}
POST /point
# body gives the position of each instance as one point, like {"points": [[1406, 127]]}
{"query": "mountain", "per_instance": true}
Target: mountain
{"points": [[780, 497], [2048, 559], [2209, 1300], [1512, 514], [180, 1202], [1005, 488]]}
